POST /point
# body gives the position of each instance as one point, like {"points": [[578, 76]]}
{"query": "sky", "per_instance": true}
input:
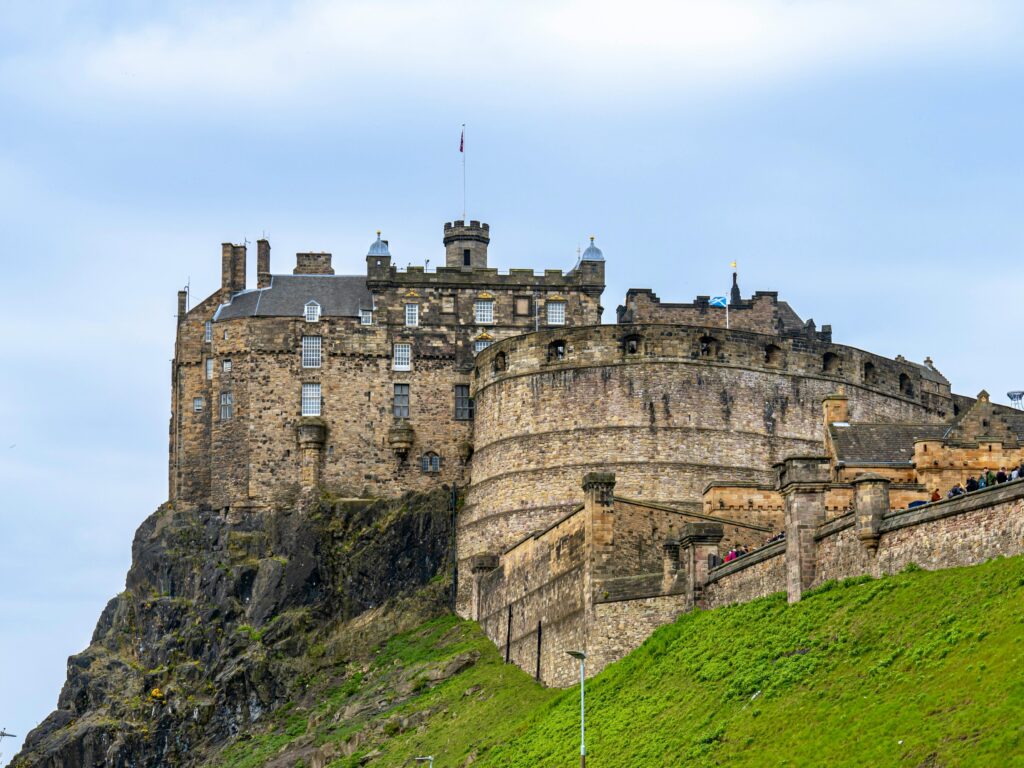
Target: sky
{"points": [[862, 157]]}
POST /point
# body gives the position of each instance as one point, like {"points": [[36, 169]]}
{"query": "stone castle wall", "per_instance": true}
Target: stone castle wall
{"points": [[689, 405], [255, 458], [950, 533]]}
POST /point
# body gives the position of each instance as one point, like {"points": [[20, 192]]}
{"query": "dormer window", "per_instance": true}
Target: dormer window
{"points": [[366, 317], [312, 312]]}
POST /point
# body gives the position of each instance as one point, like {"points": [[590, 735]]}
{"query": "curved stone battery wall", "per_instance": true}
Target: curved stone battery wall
{"points": [[666, 408]]}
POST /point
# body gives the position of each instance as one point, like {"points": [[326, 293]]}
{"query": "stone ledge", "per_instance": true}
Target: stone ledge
{"points": [[937, 510], [759, 555], [834, 526], [699, 515]]}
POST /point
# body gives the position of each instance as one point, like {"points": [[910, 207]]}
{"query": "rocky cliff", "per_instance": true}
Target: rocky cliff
{"points": [[224, 618]]}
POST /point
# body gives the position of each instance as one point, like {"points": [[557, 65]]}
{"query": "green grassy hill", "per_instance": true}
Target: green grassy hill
{"points": [[920, 669]]}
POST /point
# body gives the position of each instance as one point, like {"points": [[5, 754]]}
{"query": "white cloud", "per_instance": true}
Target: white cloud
{"points": [[458, 51]]}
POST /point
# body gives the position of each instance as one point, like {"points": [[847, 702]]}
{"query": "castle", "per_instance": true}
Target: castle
{"points": [[603, 467]]}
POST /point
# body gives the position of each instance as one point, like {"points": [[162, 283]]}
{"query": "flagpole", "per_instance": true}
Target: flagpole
{"points": [[462, 146]]}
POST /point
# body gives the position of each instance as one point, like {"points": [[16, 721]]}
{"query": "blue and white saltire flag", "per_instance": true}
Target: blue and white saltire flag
{"points": [[718, 301]]}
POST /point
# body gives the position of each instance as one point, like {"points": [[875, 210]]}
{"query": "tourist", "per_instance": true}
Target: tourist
{"points": [[990, 478], [1001, 475], [972, 484], [983, 479], [936, 495]]}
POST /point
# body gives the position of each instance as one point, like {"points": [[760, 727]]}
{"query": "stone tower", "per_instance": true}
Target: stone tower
{"points": [[465, 244]]}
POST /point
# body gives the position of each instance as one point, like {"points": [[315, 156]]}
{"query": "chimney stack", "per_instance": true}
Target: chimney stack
{"points": [[263, 263], [232, 267]]}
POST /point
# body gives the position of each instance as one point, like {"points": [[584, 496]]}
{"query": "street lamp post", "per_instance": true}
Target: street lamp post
{"points": [[583, 711]]}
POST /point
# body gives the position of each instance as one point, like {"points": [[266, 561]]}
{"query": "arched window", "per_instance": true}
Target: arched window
{"points": [[772, 355], [707, 346], [500, 362], [870, 376], [906, 385], [556, 350], [831, 363], [430, 462]]}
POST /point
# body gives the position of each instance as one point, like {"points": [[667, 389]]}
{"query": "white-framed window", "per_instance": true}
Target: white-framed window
{"points": [[366, 317], [402, 360], [227, 406], [400, 403], [197, 405], [208, 331], [412, 314], [483, 311], [310, 399], [556, 312], [310, 351], [225, 334], [209, 368], [312, 312], [225, 365], [480, 345], [430, 462]]}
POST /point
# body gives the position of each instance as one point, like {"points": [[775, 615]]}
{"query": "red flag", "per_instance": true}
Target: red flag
{"points": [[462, 140]]}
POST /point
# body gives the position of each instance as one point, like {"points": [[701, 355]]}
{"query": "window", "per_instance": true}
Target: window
{"points": [[208, 332], [430, 462], [310, 399], [448, 304], [870, 377], [556, 312], [465, 257], [463, 403], [480, 345], [412, 314], [500, 362], [521, 306], [197, 405], [708, 346], [366, 317], [402, 357], [483, 311], [830, 363], [556, 350], [400, 403], [631, 345], [772, 355], [225, 365], [906, 386], [310, 351], [227, 406], [312, 312], [225, 334], [209, 368]]}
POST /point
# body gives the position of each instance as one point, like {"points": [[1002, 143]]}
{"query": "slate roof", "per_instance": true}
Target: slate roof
{"points": [[337, 295], [928, 373], [881, 443], [790, 319]]}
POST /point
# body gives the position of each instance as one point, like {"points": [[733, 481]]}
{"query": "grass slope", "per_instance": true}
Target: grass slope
{"points": [[919, 669]]}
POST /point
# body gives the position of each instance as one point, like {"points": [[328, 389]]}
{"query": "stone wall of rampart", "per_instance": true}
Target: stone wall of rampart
{"points": [[666, 408]]}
